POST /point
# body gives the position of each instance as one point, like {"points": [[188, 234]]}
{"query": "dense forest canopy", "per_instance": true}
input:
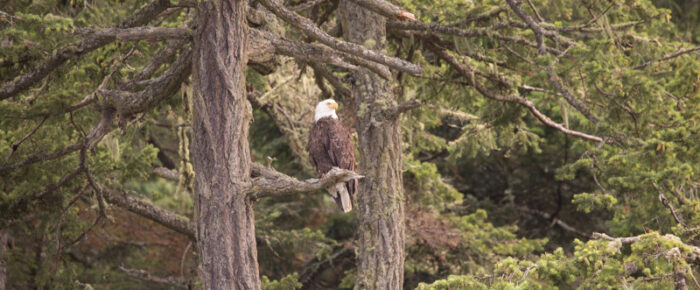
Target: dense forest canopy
{"points": [[529, 144]]}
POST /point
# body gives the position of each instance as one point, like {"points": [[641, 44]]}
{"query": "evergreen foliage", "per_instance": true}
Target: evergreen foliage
{"points": [[495, 198]]}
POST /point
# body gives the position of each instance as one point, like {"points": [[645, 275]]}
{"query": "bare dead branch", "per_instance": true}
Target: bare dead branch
{"points": [[15, 145], [585, 29], [167, 173], [667, 57], [164, 55], [143, 275], [51, 187], [94, 137], [557, 221], [139, 33], [468, 73], [397, 110], [270, 182], [141, 17], [92, 97], [534, 10], [568, 96], [386, 9], [85, 232], [332, 79], [442, 29], [162, 87], [539, 32], [146, 209], [309, 28], [667, 204], [525, 42], [676, 215], [303, 51], [43, 157]]}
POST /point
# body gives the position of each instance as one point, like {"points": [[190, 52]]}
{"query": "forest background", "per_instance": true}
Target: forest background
{"points": [[543, 143]]}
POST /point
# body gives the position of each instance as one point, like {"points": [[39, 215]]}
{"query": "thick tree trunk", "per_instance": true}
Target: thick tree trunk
{"points": [[4, 234], [381, 199], [220, 153]]}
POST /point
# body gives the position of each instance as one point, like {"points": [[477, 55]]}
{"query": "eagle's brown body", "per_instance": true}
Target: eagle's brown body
{"points": [[330, 145]]}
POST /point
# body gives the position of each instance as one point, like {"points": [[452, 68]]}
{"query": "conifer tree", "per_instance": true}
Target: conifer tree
{"points": [[503, 144]]}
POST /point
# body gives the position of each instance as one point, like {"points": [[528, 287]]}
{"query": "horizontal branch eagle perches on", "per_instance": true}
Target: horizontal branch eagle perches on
{"points": [[266, 182], [269, 182]]}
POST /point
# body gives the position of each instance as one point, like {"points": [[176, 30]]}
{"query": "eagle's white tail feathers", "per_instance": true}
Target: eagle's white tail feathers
{"points": [[345, 202]]}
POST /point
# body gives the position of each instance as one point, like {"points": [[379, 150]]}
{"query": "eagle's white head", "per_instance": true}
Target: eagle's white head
{"points": [[326, 108]]}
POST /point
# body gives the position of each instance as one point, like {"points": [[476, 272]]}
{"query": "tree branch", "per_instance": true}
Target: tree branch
{"points": [[146, 209], [168, 83], [270, 182], [303, 51], [43, 157], [557, 221], [143, 275], [667, 204], [386, 9], [310, 29], [442, 29], [167, 173], [15, 145], [332, 79], [468, 73], [164, 55], [139, 33], [58, 58], [670, 56], [395, 111]]}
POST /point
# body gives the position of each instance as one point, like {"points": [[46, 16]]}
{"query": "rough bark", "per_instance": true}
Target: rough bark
{"points": [[220, 153], [380, 199]]}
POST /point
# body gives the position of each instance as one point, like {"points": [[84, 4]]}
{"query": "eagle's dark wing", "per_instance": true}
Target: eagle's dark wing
{"points": [[342, 151], [319, 146]]}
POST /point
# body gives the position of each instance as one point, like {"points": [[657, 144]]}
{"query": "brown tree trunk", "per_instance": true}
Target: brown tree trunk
{"points": [[381, 199], [4, 234], [220, 153]]}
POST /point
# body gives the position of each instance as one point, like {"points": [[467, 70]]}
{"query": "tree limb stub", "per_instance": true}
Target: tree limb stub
{"points": [[143, 16], [270, 182], [309, 28]]}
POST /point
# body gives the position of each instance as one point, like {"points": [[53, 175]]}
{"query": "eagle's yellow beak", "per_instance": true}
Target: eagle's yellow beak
{"points": [[333, 106]]}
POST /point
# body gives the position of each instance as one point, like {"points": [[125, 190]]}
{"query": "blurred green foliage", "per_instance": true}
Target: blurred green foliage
{"points": [[471, 164]]}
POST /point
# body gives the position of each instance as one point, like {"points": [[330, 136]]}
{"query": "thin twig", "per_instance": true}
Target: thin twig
{"points": [[15, 145], [667, 204], [670, 56], [537, 14]]}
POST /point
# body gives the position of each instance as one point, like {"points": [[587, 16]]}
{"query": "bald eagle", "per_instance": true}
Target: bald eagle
{"points": [[330, 146]]}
